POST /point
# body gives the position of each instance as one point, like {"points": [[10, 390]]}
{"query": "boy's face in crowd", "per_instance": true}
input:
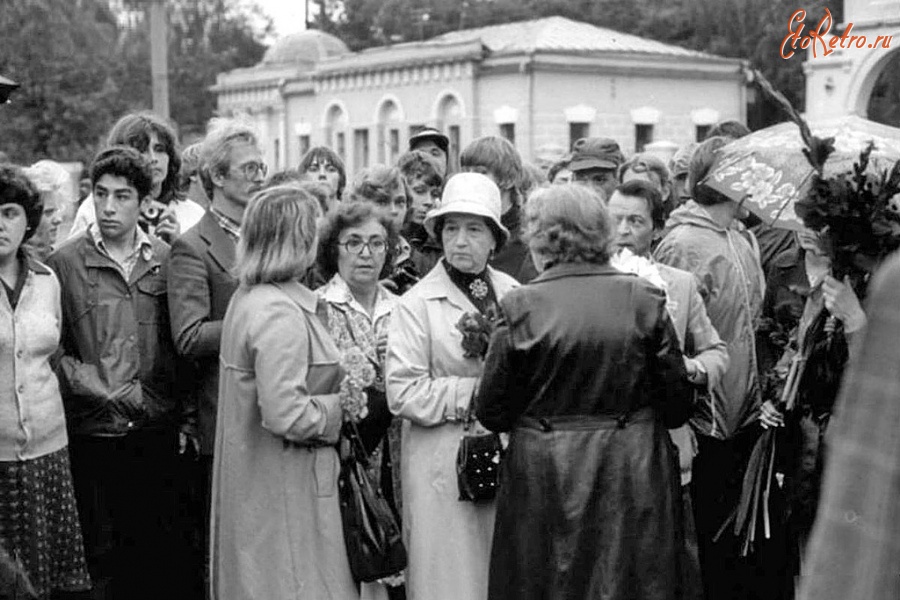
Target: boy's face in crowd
{"points": [[423, 197], [117, 206]]}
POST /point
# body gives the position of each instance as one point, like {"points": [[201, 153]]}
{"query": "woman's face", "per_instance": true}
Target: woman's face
{"points": [[45, 235], [159, 159], [13, 224], [321, 170], [468, 242], [362, 251]]}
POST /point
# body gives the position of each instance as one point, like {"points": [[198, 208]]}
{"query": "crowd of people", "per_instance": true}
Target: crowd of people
{"points": [[174, 391]]}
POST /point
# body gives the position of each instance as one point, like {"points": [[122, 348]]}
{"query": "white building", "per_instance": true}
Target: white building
{"points": [[542, 83], [856, 80]]}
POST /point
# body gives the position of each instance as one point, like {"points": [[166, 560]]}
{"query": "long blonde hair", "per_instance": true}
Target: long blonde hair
{"points": [[278, 236]]}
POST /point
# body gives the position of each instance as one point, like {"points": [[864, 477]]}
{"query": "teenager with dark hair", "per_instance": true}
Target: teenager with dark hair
{"points": [[164, 211], [125, 410]]}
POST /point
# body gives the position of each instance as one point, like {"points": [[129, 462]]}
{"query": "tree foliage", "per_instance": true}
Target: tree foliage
{"points": [[82, 65]]}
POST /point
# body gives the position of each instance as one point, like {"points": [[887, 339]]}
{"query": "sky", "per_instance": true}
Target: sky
{"points": [[287, 14]]}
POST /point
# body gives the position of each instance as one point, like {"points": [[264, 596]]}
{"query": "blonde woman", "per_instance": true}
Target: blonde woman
{"points": [[276, 528]]}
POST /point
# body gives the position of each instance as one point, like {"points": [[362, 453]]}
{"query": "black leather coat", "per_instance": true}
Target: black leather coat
{"points": [[586, 372]]}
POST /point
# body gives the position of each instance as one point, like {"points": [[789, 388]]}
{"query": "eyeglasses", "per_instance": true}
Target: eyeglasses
{"points": [[251, 169], [356, 245]]}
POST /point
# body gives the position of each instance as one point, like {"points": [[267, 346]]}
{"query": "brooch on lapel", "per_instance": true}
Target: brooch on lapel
{"points": [[479, 289]]}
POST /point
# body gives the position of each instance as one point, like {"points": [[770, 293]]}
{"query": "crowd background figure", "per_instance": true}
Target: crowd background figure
{"points": [[178, 428]]}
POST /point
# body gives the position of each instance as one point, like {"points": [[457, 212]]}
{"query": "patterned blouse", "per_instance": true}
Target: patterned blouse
{"points": [[351, 325]]}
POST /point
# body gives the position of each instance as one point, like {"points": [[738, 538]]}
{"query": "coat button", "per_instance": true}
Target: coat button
{"points": [[22, 389], [19, 353], [130, 424]]}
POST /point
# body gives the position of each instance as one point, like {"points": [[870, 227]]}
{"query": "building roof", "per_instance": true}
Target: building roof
{"points": [[559, 34], [304, 48]]}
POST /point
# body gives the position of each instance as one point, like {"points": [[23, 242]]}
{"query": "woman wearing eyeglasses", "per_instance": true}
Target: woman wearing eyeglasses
{"points": [[356, 243]]}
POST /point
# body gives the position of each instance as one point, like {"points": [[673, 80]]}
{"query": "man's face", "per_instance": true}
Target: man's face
{"points": [[117, 207], [429, 147], [633, 223], [245, 176], [602, 180]]}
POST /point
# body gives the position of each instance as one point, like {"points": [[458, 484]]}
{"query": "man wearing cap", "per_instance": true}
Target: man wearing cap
{"points": [[435, 143], [595, 162]]}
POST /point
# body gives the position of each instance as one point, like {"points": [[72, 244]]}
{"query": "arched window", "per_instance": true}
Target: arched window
{"points": [[449, 120], [336, 130], [389, 120], [884, 103]]}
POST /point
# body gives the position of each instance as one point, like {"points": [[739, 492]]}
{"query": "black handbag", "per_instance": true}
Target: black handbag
{"points": [[478, 464], [371, 534]]}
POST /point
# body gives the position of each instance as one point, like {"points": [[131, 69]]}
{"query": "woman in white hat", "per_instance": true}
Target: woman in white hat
{"points": [[430, 384]]}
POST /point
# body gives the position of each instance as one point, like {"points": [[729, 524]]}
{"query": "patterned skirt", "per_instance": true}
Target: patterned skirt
{"points": [[39, 522]]}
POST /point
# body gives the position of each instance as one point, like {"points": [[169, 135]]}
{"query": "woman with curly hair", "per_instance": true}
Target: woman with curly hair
{"points": [[589, 503]]}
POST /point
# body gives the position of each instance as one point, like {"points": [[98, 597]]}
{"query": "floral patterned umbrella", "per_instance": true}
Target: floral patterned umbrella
{"points": [[767, 172]]}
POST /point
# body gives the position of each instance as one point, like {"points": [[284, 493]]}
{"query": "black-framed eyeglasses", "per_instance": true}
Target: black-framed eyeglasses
{"points": [[356, 245], [251, 169]]}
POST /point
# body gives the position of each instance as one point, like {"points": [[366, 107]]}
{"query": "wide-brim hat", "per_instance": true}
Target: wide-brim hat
{"points": [[429, 133], [470, 194]]}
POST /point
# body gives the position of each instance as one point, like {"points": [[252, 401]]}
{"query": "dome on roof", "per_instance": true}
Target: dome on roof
{"points": [[304, 48]]}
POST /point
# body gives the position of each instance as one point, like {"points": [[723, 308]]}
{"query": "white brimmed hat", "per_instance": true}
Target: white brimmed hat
{"points": [[470, 194]]}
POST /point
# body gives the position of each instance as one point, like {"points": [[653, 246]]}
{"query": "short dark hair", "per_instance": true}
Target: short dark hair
{"points": [[638, 188], [701, 162], [417, 164], [135, 129], [17, 188], [558, 166], [282, 177], [324, 153], [731, 129], [126, 162], [352, 214]]}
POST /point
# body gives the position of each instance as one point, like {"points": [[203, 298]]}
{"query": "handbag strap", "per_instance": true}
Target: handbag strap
{"points": [[469, 416], [357, 451]]}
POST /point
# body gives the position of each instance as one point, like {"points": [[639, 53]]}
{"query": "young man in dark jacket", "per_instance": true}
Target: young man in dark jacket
{"points": [[125, 414]]}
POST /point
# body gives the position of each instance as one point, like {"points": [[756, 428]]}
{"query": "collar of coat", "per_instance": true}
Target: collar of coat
{"points": [[299, 293], [576, 270], [437, 285]]}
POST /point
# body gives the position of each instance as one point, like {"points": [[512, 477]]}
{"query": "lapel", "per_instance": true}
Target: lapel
{"points": [[438, 285], [145, 265], [220, 247]]}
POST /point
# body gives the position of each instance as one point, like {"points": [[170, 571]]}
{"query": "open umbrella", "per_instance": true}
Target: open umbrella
{"points": [[7, 86], [767, 171]]}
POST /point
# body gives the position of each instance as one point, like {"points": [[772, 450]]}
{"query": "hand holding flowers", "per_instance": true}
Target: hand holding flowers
{"points": [[476, 329], [360, 374]]}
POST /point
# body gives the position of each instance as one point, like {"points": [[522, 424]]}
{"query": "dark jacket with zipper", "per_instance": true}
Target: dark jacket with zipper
{"points": [[117, 363], [586, 372]]}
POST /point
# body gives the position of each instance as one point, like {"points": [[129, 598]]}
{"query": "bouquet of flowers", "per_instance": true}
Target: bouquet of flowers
{"points": [[477, 328], [360, 374], [858, 216], [626, 261]]}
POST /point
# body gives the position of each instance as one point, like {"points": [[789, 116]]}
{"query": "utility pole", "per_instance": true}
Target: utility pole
{"points": [[159, 59]]}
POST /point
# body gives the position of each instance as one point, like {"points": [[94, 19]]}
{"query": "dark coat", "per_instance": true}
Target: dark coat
{"points": [[200, 287], [117, 367], [586, 372]]}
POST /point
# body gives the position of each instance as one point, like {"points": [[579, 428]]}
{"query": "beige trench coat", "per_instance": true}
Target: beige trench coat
{"points": [[276, 529], [429, 383]]}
